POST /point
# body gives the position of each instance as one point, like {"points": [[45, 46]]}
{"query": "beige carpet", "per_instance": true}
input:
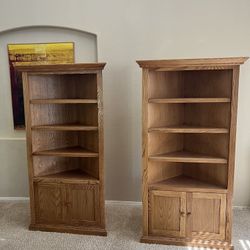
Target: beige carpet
{"points": [[123, 225]]}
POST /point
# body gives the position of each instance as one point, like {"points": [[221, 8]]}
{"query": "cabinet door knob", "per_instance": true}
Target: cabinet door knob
{"points": [[188, 213], [182, 213]]}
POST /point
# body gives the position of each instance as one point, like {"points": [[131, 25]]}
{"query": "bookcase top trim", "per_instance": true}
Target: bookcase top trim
{"points": [[61, 67], [200, 62]]}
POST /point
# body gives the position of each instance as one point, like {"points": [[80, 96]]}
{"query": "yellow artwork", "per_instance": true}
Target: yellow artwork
{"points": [[41, 53], [33, 54]]}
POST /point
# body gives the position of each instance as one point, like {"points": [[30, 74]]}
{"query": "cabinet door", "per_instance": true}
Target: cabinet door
{"points": [[208, 215], [167, 211], [49, 203], [82, 202]]}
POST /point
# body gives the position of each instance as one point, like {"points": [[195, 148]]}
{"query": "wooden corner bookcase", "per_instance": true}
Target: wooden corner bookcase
{"points": [[64, 128], [189, 129]]}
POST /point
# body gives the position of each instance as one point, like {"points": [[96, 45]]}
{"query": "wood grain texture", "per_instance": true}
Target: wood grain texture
{"points": [[27, 109], [208, 216], [63, 109], [185, 183], [167, 213], [67, 87], [160, 171], [65, 127], [211, 173], [46, 165], [68, 152], [212, 244], [232, 142], [205, 144], [69, 176], [64, 228], [189, 127], [82, 204], [49, 203], [189, 100], [185, 156], [64, 68], [51, 114], [145, 76], [101, 149], [63, 101], [186, 63]]}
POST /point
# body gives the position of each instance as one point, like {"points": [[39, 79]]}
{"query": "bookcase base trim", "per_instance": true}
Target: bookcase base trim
{"points": [[183, 242], [68, 229]]}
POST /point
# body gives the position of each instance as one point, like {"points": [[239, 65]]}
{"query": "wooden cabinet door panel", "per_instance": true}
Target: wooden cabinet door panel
{"points": [[167, 211], [208, 215], [82, 204], [49, 203]]}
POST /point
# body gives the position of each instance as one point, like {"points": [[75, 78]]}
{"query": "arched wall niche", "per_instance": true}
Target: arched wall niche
{"points": [[12, 142], [85, 51]]}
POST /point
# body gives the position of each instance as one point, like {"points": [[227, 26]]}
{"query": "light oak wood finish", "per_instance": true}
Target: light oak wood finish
{"points": [[208, 216], [64, 127], [185, 156], [69, 176], [188, 100], [192, 64], [189, 127], [185, 183], [166, 213], [210, 244], [62, 101]]}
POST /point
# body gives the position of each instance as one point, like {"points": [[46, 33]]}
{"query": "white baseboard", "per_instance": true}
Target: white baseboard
{"points": [[108, 202], [12, 139], [241, 207], [123, 203], [14, 198]]}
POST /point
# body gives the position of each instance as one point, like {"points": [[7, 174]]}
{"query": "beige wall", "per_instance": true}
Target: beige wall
{"points": [[142, 29]]}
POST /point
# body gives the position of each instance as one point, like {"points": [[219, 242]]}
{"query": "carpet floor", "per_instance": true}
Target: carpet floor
{"points": [[123, 226]]}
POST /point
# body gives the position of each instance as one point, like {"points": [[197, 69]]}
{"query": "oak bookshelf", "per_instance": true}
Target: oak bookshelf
{"points": [[64, 127], [189, 129]]}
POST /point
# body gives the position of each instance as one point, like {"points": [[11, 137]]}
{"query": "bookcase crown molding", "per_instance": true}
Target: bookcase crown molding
{"points": [[191, 63], [61, 67]]}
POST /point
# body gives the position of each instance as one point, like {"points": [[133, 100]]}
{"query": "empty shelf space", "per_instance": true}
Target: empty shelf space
{"points": [[68, 152], [65, 127], [75, 175], [189, 129], [183, 182], [189, 100], [63, 101], [184, 156]]}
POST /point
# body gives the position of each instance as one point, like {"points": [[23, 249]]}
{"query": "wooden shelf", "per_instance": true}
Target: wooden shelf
{"points": [[184, 156], [68, 152], [63, 101], [189, 129], [65, 127], [75, 175], [189, 100], [185, 183]]}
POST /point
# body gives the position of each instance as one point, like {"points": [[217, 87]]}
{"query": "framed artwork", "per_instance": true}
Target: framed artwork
{"points": [[33, 54]]}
